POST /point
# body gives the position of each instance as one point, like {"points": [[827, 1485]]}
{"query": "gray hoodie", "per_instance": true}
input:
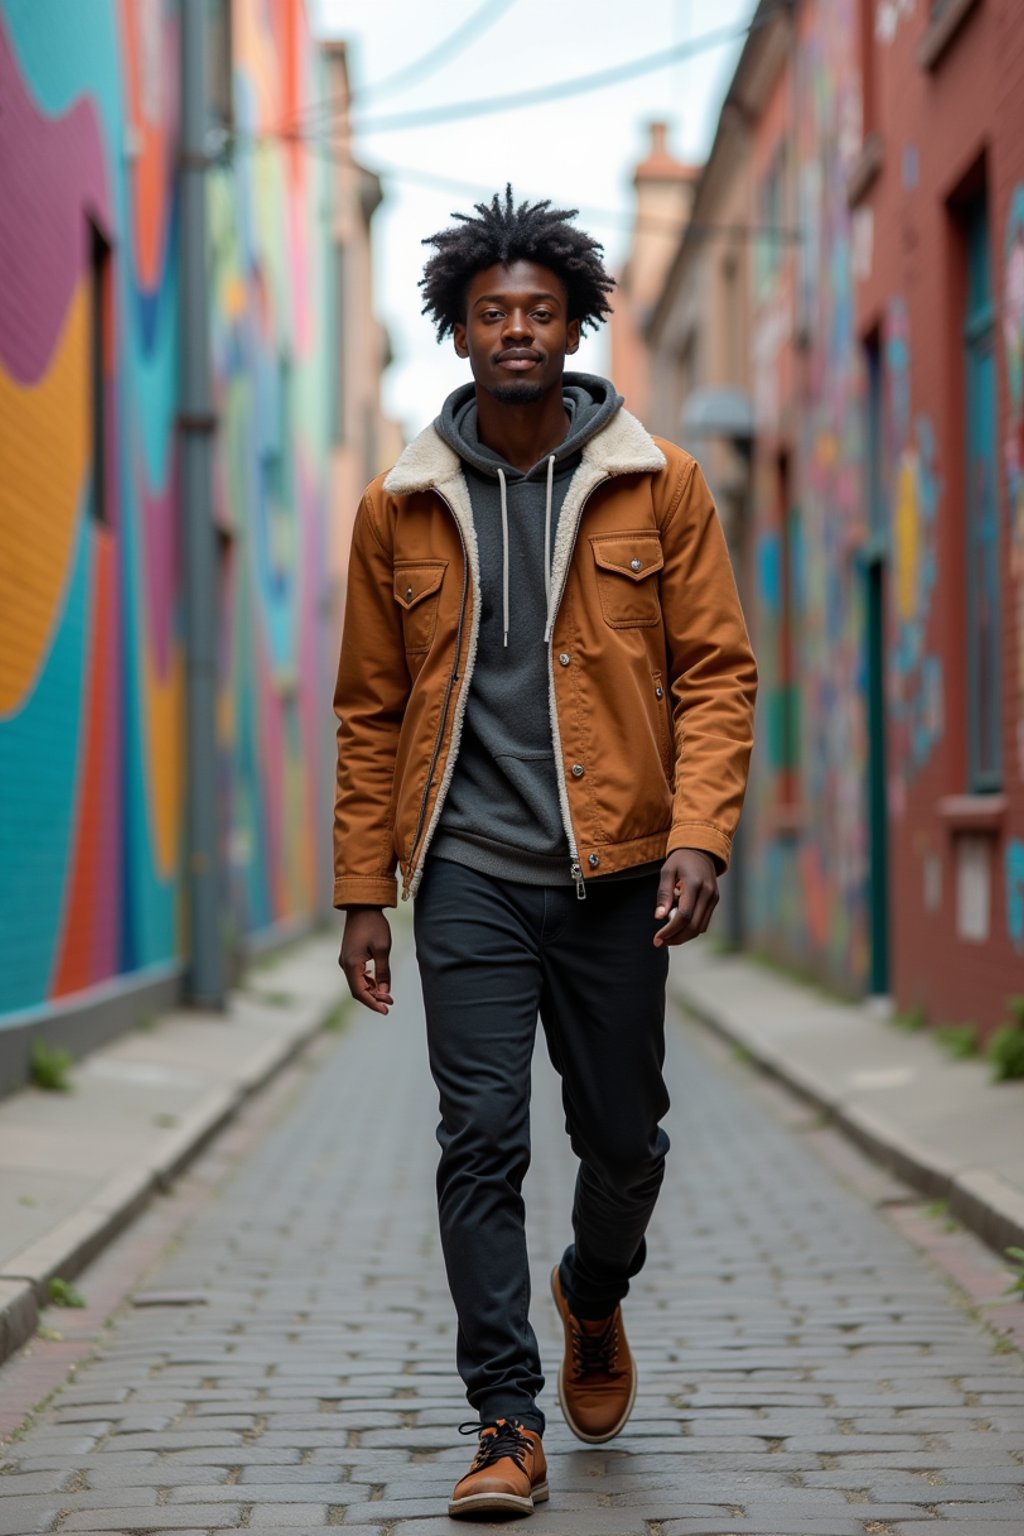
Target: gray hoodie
{"points": [[502, 814]]}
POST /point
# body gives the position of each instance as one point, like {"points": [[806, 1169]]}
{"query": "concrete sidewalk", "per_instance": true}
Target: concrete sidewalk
{"points": [[76, 1167], [943, 1125]]}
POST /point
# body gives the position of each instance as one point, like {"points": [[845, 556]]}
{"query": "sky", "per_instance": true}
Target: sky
{"points": [[580, 151]]}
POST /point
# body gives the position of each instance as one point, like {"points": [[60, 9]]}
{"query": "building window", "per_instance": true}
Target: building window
{"points": [[100, 355], [874, 440], [984, 726]]}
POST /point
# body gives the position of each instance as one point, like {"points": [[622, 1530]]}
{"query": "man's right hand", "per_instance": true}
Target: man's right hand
{"points": [[366, 957]]}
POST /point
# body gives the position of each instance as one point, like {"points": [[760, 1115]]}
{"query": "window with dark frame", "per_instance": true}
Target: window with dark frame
{"points": [[100, 344], [981, 504]]}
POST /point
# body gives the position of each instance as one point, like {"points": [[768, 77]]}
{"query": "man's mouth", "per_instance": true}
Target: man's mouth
{"points": [[517, 362]]}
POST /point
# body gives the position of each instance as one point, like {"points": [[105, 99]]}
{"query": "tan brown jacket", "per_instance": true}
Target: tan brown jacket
{"points": [[651, 675]]}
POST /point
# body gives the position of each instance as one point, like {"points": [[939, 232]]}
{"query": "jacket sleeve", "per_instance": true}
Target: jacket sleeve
{"points": [[712, 671], [369, 701]]}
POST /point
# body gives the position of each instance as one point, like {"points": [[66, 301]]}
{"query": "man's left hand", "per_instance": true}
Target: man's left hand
{"points": [[687, 895]]}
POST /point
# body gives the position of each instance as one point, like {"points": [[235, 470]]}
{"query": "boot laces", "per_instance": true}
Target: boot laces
{"points": [[595, 1353], [507, 1440]]}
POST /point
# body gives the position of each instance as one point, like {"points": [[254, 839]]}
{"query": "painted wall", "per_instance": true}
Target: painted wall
{"points": [[806, 869], [268, 231], [957, 858], [91, 609]]}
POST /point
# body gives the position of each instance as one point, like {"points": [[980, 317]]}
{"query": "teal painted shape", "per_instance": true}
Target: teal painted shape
{"points": [[1015, 892], [67, 50], [39, 767]]}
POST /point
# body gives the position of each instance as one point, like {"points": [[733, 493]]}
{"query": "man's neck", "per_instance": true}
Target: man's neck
{"points": [[522, 434]]}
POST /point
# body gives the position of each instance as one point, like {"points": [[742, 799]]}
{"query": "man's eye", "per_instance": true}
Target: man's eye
{"points": [[542, 314]]}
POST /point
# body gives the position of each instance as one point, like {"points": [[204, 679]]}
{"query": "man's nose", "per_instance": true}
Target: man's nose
{"points": [[517, 323]]}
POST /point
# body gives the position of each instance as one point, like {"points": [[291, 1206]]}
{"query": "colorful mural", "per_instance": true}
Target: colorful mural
{"points": [[91, 613], [915, 674], [808, 892], [270, 366], [1013, 343]]}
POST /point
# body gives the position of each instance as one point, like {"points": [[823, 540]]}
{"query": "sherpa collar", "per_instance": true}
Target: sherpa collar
{"points": [[623, 447]]}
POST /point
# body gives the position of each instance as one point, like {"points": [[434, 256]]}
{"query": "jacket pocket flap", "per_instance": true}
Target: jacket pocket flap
{"points": [[417, 580], [636, 555]]}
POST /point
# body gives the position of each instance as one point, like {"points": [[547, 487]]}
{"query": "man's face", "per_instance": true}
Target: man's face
{"points": [[517, 331]]}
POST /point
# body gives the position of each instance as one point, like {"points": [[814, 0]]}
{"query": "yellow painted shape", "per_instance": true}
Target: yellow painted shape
{"points": [[44, 450], [165, 735], [907, 537]]}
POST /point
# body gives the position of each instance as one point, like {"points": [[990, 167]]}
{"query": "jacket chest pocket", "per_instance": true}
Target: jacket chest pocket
{"points": [[418, 594], [627, 565]]}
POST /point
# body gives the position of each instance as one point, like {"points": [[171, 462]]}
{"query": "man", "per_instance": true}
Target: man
{"points": [[545, 702]]}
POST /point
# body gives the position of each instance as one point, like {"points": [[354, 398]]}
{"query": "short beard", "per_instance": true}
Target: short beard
{"points": [[518, 394]]}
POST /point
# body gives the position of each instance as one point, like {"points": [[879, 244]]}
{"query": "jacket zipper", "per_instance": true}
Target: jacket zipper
{"points": [[452, 680], [575, 869]]}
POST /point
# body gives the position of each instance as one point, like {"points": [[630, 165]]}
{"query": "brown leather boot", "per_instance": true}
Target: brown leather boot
{"points": [[509, 1472], [597, 1377]]}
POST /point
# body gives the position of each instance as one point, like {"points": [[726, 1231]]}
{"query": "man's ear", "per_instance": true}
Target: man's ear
{"points": [[459, 338], [572, 336]]}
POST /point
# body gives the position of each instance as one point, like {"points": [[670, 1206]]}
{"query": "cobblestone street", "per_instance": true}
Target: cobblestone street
{"points": [[803, 1368]]}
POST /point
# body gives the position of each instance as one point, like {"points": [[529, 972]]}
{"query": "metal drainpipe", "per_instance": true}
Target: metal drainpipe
{"points": [[205, 975]]}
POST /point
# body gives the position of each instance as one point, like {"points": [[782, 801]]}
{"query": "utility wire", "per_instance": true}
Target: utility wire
{"points": [[620, 219], [481, 20], [577, 86]]}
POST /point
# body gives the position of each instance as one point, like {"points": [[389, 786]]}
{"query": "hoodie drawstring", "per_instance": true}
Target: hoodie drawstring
{"points": [[504, 553], [547, 551], [547, 548]]}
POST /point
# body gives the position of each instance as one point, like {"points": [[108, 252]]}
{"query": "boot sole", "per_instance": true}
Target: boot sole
{"points": [[581, 1434], [497, 1503]]}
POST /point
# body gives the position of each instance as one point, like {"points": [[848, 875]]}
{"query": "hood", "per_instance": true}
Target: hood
{"points": [[590, 401]]}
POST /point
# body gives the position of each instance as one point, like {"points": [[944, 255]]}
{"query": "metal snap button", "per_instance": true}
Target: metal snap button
{"points": [[408, 594], [594, 860], [636, 565], [565, 658], [659, 693], [577, 770]]}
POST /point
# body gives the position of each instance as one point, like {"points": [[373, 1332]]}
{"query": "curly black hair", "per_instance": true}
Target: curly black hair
{"points": [[504, 233]]}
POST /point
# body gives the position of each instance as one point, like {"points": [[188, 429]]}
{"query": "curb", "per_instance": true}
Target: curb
{"points": [[979, 1199], [68, 1247]]}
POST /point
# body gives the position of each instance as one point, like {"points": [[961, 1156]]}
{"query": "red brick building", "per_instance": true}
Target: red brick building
{"points": [[852, 276], [937, 194]]}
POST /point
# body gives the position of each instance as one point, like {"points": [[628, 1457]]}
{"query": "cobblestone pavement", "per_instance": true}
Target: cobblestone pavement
{"points": [[803, 1367]]}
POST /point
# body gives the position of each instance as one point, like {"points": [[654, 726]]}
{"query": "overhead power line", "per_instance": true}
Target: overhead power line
{"points": [[481, 20], [622, 219], [619, 218], [560, 89], [442, 53]]}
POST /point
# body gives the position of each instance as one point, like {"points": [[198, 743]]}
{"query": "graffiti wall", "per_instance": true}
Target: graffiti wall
{"points": [[91, 614], [808, 873], [267, 232]]}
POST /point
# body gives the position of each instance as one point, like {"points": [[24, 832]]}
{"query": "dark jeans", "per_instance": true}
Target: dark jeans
{"points": [[491, 956]]}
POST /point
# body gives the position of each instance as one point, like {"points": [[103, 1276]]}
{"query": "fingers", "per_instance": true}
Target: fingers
{"points": [[366, 985], [693, 911], [666, 892], [380, 954]]}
